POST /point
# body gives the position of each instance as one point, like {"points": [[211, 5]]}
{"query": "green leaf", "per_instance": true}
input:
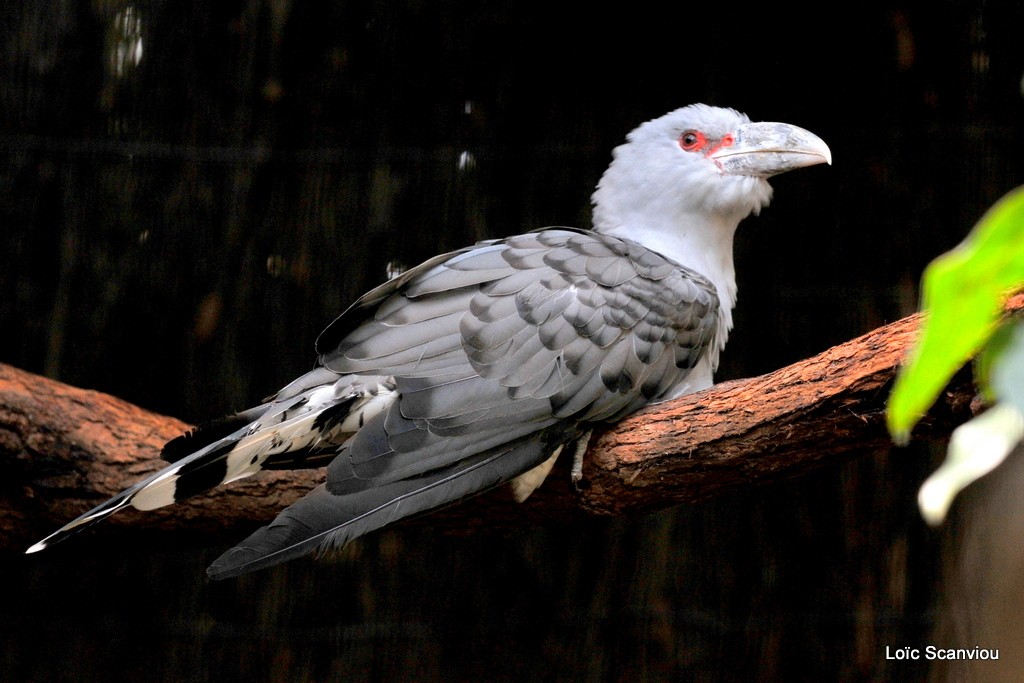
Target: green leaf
{"points": [[962, 294]]}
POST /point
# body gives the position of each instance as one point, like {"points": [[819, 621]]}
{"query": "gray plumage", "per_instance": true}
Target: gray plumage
{"points": [[479, 366]]}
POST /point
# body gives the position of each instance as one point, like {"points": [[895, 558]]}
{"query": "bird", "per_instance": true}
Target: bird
{"points": [[479, 367]]}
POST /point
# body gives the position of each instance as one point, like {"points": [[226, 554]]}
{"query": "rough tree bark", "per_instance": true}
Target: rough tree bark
{"points": [[64, 449]]}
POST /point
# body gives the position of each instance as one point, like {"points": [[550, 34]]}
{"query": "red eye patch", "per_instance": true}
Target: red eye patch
{"points": [[695, 141]]}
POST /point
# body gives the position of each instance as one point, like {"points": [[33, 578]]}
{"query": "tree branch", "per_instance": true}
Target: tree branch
{"points": [[64, 449]]}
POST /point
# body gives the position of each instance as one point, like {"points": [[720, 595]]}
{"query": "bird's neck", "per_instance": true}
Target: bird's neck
{"points": [[700, 242]]}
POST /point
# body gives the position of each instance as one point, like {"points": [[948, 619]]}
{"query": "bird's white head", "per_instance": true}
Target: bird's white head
{"points": [[682, 182]]}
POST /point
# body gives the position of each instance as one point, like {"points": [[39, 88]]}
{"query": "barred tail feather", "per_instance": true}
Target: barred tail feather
{"points": [[188, 476], [199, 437], [322, 520], [95, 515], [300, 431]]}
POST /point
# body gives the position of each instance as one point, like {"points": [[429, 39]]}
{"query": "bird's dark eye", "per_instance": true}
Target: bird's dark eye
{"points": [[692, 140]]}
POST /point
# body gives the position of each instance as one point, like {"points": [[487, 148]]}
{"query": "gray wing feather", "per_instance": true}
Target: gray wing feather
{"points": [[580, 397], [488, 309], [378, 456], [514, 282], [323, 520], [395, 311], [486, 335], [386, 340]]}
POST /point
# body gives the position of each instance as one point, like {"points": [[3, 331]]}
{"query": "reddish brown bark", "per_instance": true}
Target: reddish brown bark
{"points": [[759, 429], [64, 449]]}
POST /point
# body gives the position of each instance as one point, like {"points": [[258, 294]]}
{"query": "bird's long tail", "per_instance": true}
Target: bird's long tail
{"points": [[188, 476], [300, 427]]}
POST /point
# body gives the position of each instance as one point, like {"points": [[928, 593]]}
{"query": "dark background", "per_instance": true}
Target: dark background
{"points": [[175, 229]]}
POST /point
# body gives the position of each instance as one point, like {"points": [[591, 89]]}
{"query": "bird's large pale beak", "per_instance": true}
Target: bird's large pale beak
{"points": [[765, 149]]}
